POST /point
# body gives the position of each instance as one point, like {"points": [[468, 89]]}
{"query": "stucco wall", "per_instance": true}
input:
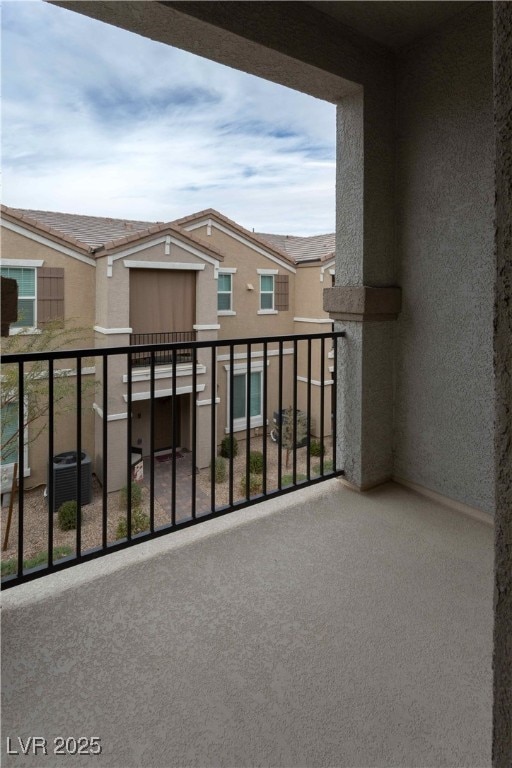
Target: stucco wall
{"points": [[79, 279], [113, 311], [246, 303], [443, 364], [502, 659], [309, 294], [64, 433]]}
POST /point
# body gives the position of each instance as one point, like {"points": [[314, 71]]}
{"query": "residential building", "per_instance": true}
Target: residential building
{"points": [[55, 273], [200, 278], [272, 285]]}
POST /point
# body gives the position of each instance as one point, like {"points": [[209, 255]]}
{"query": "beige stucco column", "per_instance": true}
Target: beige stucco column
{"points": [[365, 302]]}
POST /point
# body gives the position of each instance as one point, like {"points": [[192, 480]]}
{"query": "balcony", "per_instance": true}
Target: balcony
{"points": [[151, 445], [312, 625], [166, 356], [322, 628]]}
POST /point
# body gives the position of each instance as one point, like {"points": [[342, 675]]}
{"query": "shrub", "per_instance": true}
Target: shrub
{"points": [[10, 567], [255, 485], [136, 497], [328, 467], [288, 479], [140, 522], [256, 463], [66, 516], [316, 448], [221, 471], [228, 447]]}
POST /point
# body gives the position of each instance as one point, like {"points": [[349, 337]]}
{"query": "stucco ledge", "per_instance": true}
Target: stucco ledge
{"points": [[362, 303]]}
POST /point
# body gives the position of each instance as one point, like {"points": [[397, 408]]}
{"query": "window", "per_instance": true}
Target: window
{"points": [[40, 292], [240, 399], [225, 293], [26, 279], [9, 443], [266, 292]]}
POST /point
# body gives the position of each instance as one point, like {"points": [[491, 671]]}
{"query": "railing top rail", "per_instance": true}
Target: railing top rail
{"points": [[63, 354]]}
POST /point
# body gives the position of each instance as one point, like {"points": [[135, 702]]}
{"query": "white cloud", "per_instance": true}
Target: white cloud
{"points": [[101, 121]]}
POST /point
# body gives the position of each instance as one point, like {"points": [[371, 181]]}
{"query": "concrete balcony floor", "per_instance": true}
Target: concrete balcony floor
{"points": [[325, 628]]}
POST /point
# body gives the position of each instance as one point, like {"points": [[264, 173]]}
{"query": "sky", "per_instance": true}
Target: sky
{"points": [[99, 121]]}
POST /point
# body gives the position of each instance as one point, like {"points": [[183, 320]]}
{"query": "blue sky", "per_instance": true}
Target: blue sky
{"points": [[150, 132]]}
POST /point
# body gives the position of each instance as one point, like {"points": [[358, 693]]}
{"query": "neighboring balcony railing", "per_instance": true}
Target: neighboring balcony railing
{"points": [[250, 399], [143, 359]]}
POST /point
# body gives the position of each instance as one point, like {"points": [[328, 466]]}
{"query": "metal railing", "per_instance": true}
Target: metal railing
{"points": [[143, 359], [276, 377]]}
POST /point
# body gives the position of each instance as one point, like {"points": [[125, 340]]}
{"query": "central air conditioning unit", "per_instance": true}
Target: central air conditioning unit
{"points": [[65, 473]]}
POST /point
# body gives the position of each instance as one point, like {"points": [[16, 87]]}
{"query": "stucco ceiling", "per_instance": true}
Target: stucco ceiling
{"points": [[393, 24], [325, 49]]}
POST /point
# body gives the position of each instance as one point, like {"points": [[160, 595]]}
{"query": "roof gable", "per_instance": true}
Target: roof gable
{"points": [[212, 217], [156, 234], [98, 234]]}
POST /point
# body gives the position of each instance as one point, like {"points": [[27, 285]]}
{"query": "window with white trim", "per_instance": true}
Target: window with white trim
{"points": [[27, 304], [240, 399], [225, 292], [266, 292]]}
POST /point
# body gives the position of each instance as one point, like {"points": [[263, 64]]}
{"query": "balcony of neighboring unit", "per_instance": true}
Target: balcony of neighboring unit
{"points": [[162, 311], [167, 356]]}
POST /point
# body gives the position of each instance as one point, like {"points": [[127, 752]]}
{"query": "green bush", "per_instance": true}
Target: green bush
{"points": [[136, 497], [316, 448], [66, 516], [288, 479], [255, 485], [10, 567], [228, 447], [221, 470], [256, 463], [328, 467], [140, 523]]}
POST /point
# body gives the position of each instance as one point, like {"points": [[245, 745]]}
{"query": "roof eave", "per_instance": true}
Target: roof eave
{"points": [[34, 224]]}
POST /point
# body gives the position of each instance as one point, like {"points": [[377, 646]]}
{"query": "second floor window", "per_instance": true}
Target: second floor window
{"points": [[40, 293], [225, 293], [266, 292], [26, 279]]}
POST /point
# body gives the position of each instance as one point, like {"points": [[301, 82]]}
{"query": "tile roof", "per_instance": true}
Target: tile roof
{"points": [[97, 232], [24, 218], [94, 231], [300, 249]]}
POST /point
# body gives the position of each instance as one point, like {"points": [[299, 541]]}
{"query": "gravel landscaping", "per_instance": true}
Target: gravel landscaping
{"points": [[36, 509]]}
